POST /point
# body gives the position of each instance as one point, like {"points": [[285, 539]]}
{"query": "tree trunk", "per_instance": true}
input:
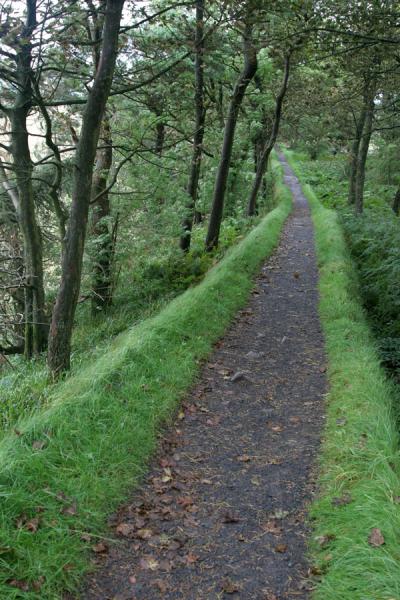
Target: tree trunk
{"points": [[396, 203], [35, 318], [263, 158], [360, 123], [193, 182], [247, 74], [363, 153], [160, 137], [67, 298], [100, 226]]}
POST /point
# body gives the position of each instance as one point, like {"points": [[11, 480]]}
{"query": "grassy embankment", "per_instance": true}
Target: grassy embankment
{"points": [[65, 468], [360, 467]]}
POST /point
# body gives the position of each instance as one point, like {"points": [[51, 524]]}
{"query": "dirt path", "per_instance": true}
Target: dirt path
{"points": [[221, 512]]}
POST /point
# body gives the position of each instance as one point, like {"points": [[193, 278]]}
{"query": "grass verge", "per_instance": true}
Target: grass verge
{"points": [[360, 484], [63, 470]]}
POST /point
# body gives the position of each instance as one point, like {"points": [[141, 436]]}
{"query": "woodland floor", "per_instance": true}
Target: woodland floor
{"points": [[221, 513]]}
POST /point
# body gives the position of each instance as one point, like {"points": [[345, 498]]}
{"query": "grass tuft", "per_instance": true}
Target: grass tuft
{"points": [[91, 445], [360, 453]]}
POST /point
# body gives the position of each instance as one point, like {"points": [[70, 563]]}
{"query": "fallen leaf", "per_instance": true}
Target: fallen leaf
{"points": [[20, 584], [230, 587], [275, 427], [124, 529], [213, 421], [70, 510], [181, 415], [132, 579], [37, 584], [191, 558], [238, 376], [324, 540], [342, 500], [272, 527], [38, 444], [280, 514], [185, 501], [148, 563], [100, 548], [161, 585], [244, 458], [167, 475], [280, 548], [32, 525], [375, 537], [230, 517], [144, 534]]}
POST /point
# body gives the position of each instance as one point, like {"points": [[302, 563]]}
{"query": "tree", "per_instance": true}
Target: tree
{"points": [[67, 297], [246, 75], [270, 142], [198, 135]]}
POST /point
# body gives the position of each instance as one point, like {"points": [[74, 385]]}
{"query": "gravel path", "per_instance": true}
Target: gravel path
{"points": [[221, 512]]}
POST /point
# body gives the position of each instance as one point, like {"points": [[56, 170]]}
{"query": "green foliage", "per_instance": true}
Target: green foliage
{"points": [[360, 452], [374, 241], [101, 425]]}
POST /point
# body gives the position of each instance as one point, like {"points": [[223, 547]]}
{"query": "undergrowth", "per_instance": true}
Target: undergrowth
{"points": [[160, 272], [359, 480], [68, 466]]}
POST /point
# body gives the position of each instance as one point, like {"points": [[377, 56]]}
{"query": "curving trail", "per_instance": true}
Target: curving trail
{"points": [[221, 512]]}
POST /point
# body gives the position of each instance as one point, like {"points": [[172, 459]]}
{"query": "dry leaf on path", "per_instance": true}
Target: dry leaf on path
{"points": [[124, 529], [100, 548], [148, 563]]}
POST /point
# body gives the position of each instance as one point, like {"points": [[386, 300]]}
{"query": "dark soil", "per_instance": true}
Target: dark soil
{"points": [[222, 511]]}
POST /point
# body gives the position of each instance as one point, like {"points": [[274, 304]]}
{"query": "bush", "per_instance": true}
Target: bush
{"points": [[374, 240]]}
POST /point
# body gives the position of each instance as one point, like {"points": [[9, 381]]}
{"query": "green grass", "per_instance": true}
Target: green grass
{"points": [[360, 451], [152, 271], [95, 438]]}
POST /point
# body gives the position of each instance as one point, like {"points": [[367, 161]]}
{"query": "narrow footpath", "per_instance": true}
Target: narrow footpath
{"points": [[221, 513]]}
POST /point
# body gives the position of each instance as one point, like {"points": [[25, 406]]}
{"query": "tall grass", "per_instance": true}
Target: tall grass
{"points": [[70, 465], [360, 455]]}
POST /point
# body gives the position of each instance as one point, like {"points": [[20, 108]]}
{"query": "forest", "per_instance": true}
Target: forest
{"points": [[186, 188]]}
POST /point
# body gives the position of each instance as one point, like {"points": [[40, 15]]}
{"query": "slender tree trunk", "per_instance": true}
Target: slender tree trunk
{"points": [[100, 226], [35, 318], [67, 298], [363, 153], [263, 158], [396, 203], [192, 187], [11, 237], [247, 74], [160, 138], [355, 148]]}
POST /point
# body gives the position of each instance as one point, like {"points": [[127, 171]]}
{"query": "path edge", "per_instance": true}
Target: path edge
{"points": [[359, 481]]}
